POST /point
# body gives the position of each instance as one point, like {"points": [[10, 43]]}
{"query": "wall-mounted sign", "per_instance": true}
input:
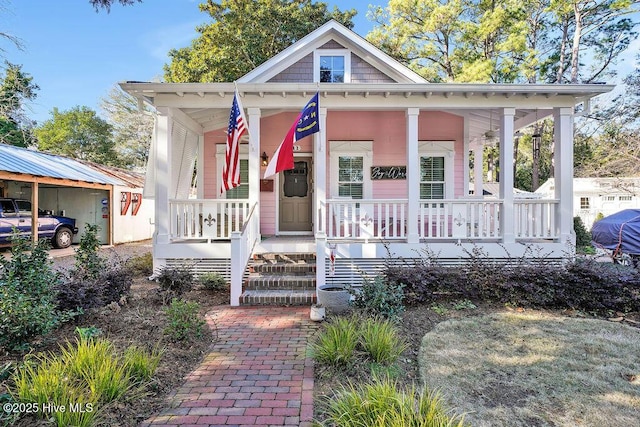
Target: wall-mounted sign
{"points": [[388, 172], [297, 148]]}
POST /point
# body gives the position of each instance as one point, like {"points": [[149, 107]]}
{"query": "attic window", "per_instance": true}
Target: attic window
{"points": [[332, 66]]}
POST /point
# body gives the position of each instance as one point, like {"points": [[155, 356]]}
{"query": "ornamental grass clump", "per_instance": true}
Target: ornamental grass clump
{"points": [[87, 375], [337, 342], [380, 341], [381, 403]]}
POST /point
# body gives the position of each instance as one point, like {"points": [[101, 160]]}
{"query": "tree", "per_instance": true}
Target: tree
{"points": [[106, 4], [598, 30], [16, 89], [78, 133], [132, 128], [244, 34]]}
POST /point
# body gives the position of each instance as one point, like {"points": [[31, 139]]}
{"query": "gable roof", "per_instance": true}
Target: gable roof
{"points": [[332, 30]]}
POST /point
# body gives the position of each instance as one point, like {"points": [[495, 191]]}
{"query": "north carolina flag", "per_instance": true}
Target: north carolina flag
{"points": [[305, 124]]}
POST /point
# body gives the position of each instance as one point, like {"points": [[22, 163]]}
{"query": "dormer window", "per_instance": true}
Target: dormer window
{"points": [[332, 66]]}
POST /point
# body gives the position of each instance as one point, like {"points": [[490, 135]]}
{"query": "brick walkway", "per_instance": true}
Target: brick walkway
{"points": [[257, 373]]}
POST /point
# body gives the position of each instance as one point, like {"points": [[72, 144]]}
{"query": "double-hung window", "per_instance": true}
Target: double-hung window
{"points": [[241, 191], [350, 176], [432, 177], [436, 170]]}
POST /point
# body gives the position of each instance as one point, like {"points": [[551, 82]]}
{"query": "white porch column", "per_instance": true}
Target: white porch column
{"points": [[478, 176], [200, 168], [163, 129], [413, 175], [320, 195], [563, 172], [507, 223], [254, 161]]}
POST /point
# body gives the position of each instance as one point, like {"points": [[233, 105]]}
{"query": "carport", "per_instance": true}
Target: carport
{"points": [[66, 186]]}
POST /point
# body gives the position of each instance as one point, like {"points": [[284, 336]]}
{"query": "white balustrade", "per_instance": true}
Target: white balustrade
{"points": [[211, 219], [535, 218]]}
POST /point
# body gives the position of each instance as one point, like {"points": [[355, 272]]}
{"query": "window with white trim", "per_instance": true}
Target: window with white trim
{"points": [[351, 176], [332, 66], [585, 203], [241, 191], [625, 198], [432, 177], [436, 169], [350, 166]]}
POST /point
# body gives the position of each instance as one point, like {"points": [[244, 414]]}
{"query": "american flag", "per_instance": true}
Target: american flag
{"points": [[237, 127]]}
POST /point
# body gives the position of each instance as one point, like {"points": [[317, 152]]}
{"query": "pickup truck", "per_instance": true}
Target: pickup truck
{"points": [[16, 214]]}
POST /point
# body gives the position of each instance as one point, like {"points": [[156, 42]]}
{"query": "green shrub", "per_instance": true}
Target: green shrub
{"points": [[583, 237], [382, 404], [336, 343], [213, 281], [174, 282], [380, 298], [141, 265], [88, 262], [379, 339], [27, 295], [183, 321]]}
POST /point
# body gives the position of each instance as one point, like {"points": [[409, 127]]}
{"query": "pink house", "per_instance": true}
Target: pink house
{"points": [[388, 170]]}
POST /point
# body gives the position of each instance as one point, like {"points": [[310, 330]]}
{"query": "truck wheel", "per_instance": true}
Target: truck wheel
{"points": [[63, 238]]}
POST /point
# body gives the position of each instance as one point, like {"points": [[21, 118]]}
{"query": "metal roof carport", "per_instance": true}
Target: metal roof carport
{"points": [[37, 168]]}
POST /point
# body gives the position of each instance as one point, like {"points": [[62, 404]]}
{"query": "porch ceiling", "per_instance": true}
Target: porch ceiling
{"points": [[207, 104]]}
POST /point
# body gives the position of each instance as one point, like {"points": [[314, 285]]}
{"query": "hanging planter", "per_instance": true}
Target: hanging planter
{"points": [[334, 297]]}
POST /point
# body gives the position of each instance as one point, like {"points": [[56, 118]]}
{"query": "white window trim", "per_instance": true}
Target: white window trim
{"points": [[441, 149], [345, 53], [221, 152], [351, 148]]}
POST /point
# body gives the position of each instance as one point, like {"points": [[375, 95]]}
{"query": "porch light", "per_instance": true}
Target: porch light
{"points": [[265, 159]]}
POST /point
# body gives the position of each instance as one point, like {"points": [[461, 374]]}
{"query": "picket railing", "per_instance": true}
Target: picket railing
{"points": [[211, 219]]}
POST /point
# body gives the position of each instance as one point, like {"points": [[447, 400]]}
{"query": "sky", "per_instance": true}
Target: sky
{"points": [[76, 55]]}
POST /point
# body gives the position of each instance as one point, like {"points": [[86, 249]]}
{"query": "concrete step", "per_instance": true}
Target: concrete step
{"points": [[279, 282], [278, 297]]}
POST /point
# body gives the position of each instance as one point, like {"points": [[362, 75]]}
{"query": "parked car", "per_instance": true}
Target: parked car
{"points": [[16, 214], [619, 234]]}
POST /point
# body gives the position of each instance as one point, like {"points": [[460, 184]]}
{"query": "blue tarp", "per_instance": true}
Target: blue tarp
{"points": [[619, 232]]}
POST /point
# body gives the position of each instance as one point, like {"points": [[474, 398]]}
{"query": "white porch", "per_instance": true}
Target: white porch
{"points": [[222, 234]]}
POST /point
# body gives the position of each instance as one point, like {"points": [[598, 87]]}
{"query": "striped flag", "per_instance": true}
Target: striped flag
{"points": [[305, 124], [237, 127]]}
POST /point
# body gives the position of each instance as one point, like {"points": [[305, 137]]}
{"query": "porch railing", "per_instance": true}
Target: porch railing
{"points": [[471, 219], [366, 219], [459, 219], [212, 219], [535, 219], [242, 244]]}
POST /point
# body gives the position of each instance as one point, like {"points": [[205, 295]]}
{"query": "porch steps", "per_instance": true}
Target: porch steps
{"points": [[280, 279]]}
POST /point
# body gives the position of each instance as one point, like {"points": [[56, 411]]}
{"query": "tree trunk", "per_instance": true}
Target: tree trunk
{"points": [[563, 46], [575, 48]]}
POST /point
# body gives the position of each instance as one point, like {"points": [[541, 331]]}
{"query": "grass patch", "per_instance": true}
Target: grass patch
{"points": [[521, 369]]}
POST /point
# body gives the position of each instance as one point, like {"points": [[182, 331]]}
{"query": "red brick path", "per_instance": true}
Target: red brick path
{"points": [[258, 373]]}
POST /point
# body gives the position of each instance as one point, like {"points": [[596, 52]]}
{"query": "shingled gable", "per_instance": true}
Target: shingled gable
{"points": [[332, 31]]}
